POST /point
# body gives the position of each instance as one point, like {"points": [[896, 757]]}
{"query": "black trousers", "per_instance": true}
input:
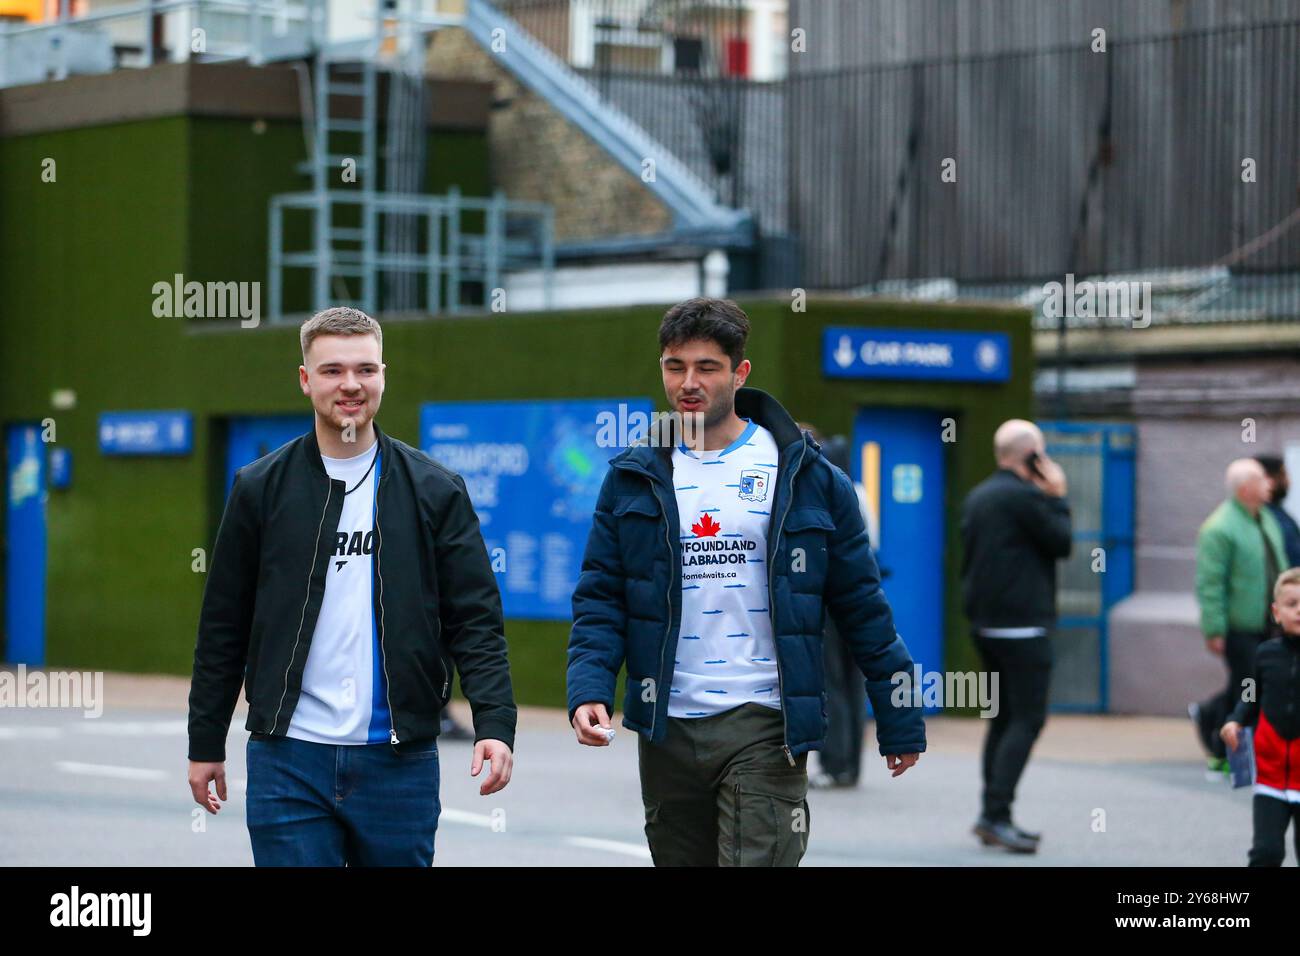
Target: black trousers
{"points": [[846, 709], [1239, 657], [1271, 818], [1024, 668]]}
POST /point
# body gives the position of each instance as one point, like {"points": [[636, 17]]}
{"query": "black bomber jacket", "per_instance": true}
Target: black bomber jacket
{"points": [[436, 602]]}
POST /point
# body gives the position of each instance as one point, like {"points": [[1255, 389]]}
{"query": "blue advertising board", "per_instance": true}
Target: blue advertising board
{"points": [[849, 352], [146, 433], [533, 470], [60, 468], [23, 638]]}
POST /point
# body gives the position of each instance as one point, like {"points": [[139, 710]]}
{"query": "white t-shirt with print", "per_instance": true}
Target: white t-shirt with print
{"points": [[343, 698], [725, 653]]}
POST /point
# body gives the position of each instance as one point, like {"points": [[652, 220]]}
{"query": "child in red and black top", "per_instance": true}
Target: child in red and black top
{"points": [[1274, 711]]}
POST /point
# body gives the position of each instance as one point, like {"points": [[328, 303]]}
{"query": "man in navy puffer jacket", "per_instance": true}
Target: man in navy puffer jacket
{"points": [[713, 554]]}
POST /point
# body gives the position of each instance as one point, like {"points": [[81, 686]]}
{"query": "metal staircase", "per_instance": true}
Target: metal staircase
{"points": [[378, 242]]}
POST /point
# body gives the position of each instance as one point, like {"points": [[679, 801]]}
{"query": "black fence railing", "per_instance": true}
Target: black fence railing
{"points": [[1176, 153], [1175, 158]]}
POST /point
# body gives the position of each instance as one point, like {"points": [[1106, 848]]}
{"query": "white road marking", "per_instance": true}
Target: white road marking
{"points": [[134, 728], [105, 770], [609, 846], [98, 727], [464, 816], [33, 733]]}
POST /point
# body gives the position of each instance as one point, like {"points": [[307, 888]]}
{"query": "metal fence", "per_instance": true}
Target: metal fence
{"points": [[1172, 160], [1161, 154]]}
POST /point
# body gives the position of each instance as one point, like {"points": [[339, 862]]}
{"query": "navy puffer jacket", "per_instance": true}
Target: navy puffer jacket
{"points": [[628, 603]]}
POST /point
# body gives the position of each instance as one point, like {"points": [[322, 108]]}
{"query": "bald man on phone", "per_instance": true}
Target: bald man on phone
{"points": [[1015, 526]]}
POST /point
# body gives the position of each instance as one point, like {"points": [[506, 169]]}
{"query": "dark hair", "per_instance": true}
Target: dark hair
{"points": [[1272, 464], [717, 320]]}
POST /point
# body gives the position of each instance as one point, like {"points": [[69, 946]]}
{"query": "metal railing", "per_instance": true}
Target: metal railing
{"points": [[144, 33], [1152, 157], [515, 235]]}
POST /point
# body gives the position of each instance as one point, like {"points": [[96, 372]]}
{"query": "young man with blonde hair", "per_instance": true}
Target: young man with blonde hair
{"points": [[349, 578]]}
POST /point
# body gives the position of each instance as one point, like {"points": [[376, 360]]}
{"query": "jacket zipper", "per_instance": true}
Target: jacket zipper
{"points": [[379, 572], [663, 647], [771, 605], [329, 491], [443, 665]]}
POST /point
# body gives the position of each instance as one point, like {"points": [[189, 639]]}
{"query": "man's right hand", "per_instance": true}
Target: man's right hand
{"points": [[589, 722], [1229, 733], [1215, 644], [1052, 480], [201, 774]]}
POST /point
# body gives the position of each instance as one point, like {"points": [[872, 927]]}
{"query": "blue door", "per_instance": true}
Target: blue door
{"points": [[24, 546], [1099, 460], [251, 438], [898, 457]]}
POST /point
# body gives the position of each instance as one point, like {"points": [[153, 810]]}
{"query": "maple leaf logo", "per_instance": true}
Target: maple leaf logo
{"points": [[706, 527]]}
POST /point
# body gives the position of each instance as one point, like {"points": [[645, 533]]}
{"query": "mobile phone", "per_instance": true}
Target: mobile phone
{"points": [[1031, 462]]}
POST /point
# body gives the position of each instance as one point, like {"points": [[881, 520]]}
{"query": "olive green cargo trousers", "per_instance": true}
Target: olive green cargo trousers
{"points": [[720, 791]]}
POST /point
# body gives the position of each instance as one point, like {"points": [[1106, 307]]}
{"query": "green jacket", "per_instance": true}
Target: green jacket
{"points": [[1230, 571]]}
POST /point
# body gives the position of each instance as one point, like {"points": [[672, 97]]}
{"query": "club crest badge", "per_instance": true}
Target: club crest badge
{"points": [[753, 485]]}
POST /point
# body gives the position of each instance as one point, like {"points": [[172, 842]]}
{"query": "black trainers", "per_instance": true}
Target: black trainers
{"points": [[1026, 834], [1005, 834]]}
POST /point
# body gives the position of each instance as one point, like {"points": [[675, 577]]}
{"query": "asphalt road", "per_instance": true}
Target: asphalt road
{"points": [[1104, 791]]}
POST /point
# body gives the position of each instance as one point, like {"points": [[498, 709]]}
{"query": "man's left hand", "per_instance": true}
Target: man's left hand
{"points": [[502, 760], [900, 762]]}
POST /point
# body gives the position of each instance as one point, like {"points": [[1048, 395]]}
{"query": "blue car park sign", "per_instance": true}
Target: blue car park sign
{"points": [[854, 352], [533, 470], [146, 433]]}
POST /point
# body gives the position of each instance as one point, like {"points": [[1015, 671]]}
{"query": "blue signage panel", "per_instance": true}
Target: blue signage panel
{"points": [[60, 468], [23, 639], [849, 352], [146, 433], [533, 470]]}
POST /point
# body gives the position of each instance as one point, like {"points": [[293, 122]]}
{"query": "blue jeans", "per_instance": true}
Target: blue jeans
{"points": [[313, 804]]}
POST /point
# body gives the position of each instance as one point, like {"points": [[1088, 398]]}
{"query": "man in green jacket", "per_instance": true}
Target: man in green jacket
{"points": [[1239, 554]]}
